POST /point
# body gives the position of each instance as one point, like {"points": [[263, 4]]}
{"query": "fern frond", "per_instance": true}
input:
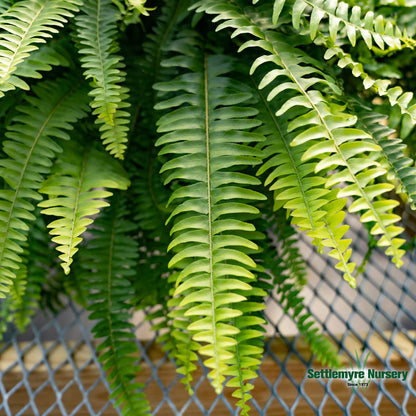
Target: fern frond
{"points": [[313, 208], [370, 27], [179, 341], [400, 167], [74, 194], [293, 304], [25, 293], [109, 262], [97, 32], [24, 25], [248, 348], [396, 96], [30, 148], [156, 47], [41, 60], [148, 200], [176, 339], [287, 267], [10, 306], [324, 126], [286, 259], [205, 131], [5, 5]]}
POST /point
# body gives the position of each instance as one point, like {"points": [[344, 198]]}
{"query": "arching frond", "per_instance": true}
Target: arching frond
{"points": [[109, 261], [248, 347], [30, 148], [74, 194], [372, 28], [324, 126], [285, 264], [96, 31], [25, 25], [205, 131], [41, 60], [313, 208], [396, 162], [395, 95]]}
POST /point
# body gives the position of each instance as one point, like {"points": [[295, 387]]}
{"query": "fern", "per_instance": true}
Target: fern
{"points": [[289, 277], [206, 231], [325, 128], [24, 25], [209, 132], [41, 60], [30, 150], [10, 306], [300, 190], [26, 291], [395, 95], [178, 340], [109, 261], [287, 268], [73, 196], [248, 347], [371, 28], [395, 161], [96, 31]]}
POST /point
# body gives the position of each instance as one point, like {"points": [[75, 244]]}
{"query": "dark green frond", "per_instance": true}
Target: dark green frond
{"points": [[109, 262], [287, 268], [30, 147], [397, 164]]}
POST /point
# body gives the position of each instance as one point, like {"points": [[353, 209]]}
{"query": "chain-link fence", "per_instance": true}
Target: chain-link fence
{"points": [[52, 369]]}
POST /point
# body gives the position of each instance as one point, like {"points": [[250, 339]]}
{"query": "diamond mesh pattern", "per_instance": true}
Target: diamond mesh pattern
{"points": [[52, 369]]}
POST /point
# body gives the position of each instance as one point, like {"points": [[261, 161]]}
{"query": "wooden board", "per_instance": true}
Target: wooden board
{"points": [[273, 383]]}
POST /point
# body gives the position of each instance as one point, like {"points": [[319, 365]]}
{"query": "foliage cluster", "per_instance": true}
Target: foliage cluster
{"points": [[173, 142]]}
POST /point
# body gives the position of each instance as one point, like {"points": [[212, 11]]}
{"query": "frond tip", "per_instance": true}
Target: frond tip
{"points": [[75, 195], [96, 31]]}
